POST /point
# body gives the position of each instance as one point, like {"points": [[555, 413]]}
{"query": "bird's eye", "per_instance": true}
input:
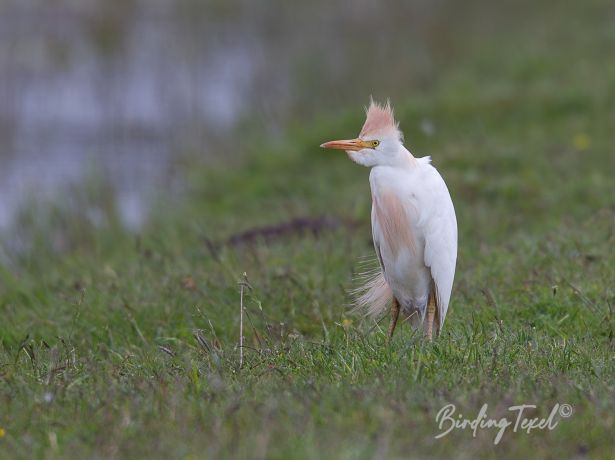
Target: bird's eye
{"points": [[375, 144]]}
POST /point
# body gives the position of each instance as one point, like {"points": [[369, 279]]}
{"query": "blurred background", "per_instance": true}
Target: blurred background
{"points": [[154, 153], [120, 93]]}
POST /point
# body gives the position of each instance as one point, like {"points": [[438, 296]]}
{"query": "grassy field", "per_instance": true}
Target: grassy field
{"points": [[122, 346]]}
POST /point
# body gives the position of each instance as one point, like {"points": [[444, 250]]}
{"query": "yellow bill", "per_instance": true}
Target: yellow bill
{"points": [[349, 144]]}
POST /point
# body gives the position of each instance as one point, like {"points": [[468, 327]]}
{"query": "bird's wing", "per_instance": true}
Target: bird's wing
{"points": [[439, 225]]}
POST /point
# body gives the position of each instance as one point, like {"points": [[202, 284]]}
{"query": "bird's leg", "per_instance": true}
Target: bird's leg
{"points": [[394, 315], [432, 317]]}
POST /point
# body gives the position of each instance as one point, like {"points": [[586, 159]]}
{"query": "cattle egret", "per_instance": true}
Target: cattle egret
{"points": [[414, 227]]}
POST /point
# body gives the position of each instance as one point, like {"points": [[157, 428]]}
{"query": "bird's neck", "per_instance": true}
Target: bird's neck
{"points": [[403, 159]]}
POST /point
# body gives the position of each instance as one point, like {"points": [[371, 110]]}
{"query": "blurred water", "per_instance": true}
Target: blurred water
{"points": [[123, 88], [118, 105]]}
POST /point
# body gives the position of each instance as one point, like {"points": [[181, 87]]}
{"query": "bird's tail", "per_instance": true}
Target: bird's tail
{"points": [[373, 294]]}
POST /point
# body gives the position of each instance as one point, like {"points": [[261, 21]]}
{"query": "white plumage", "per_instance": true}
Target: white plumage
{"points": [[413, 225]]}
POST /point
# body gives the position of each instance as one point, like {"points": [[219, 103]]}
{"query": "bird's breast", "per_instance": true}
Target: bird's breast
{"points": [[400, 247], [393, 222]]}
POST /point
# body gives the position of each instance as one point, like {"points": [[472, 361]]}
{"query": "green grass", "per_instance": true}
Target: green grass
{"points": [[115, 345]]}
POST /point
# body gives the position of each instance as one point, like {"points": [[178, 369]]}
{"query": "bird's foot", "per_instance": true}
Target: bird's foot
{"points": [[431, 318], [394, 316]]}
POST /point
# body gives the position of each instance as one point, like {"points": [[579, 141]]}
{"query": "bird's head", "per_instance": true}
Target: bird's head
{"points": [[380, 141]]}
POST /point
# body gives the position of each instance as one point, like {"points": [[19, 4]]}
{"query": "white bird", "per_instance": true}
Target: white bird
{"points": [[414, 227]]}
